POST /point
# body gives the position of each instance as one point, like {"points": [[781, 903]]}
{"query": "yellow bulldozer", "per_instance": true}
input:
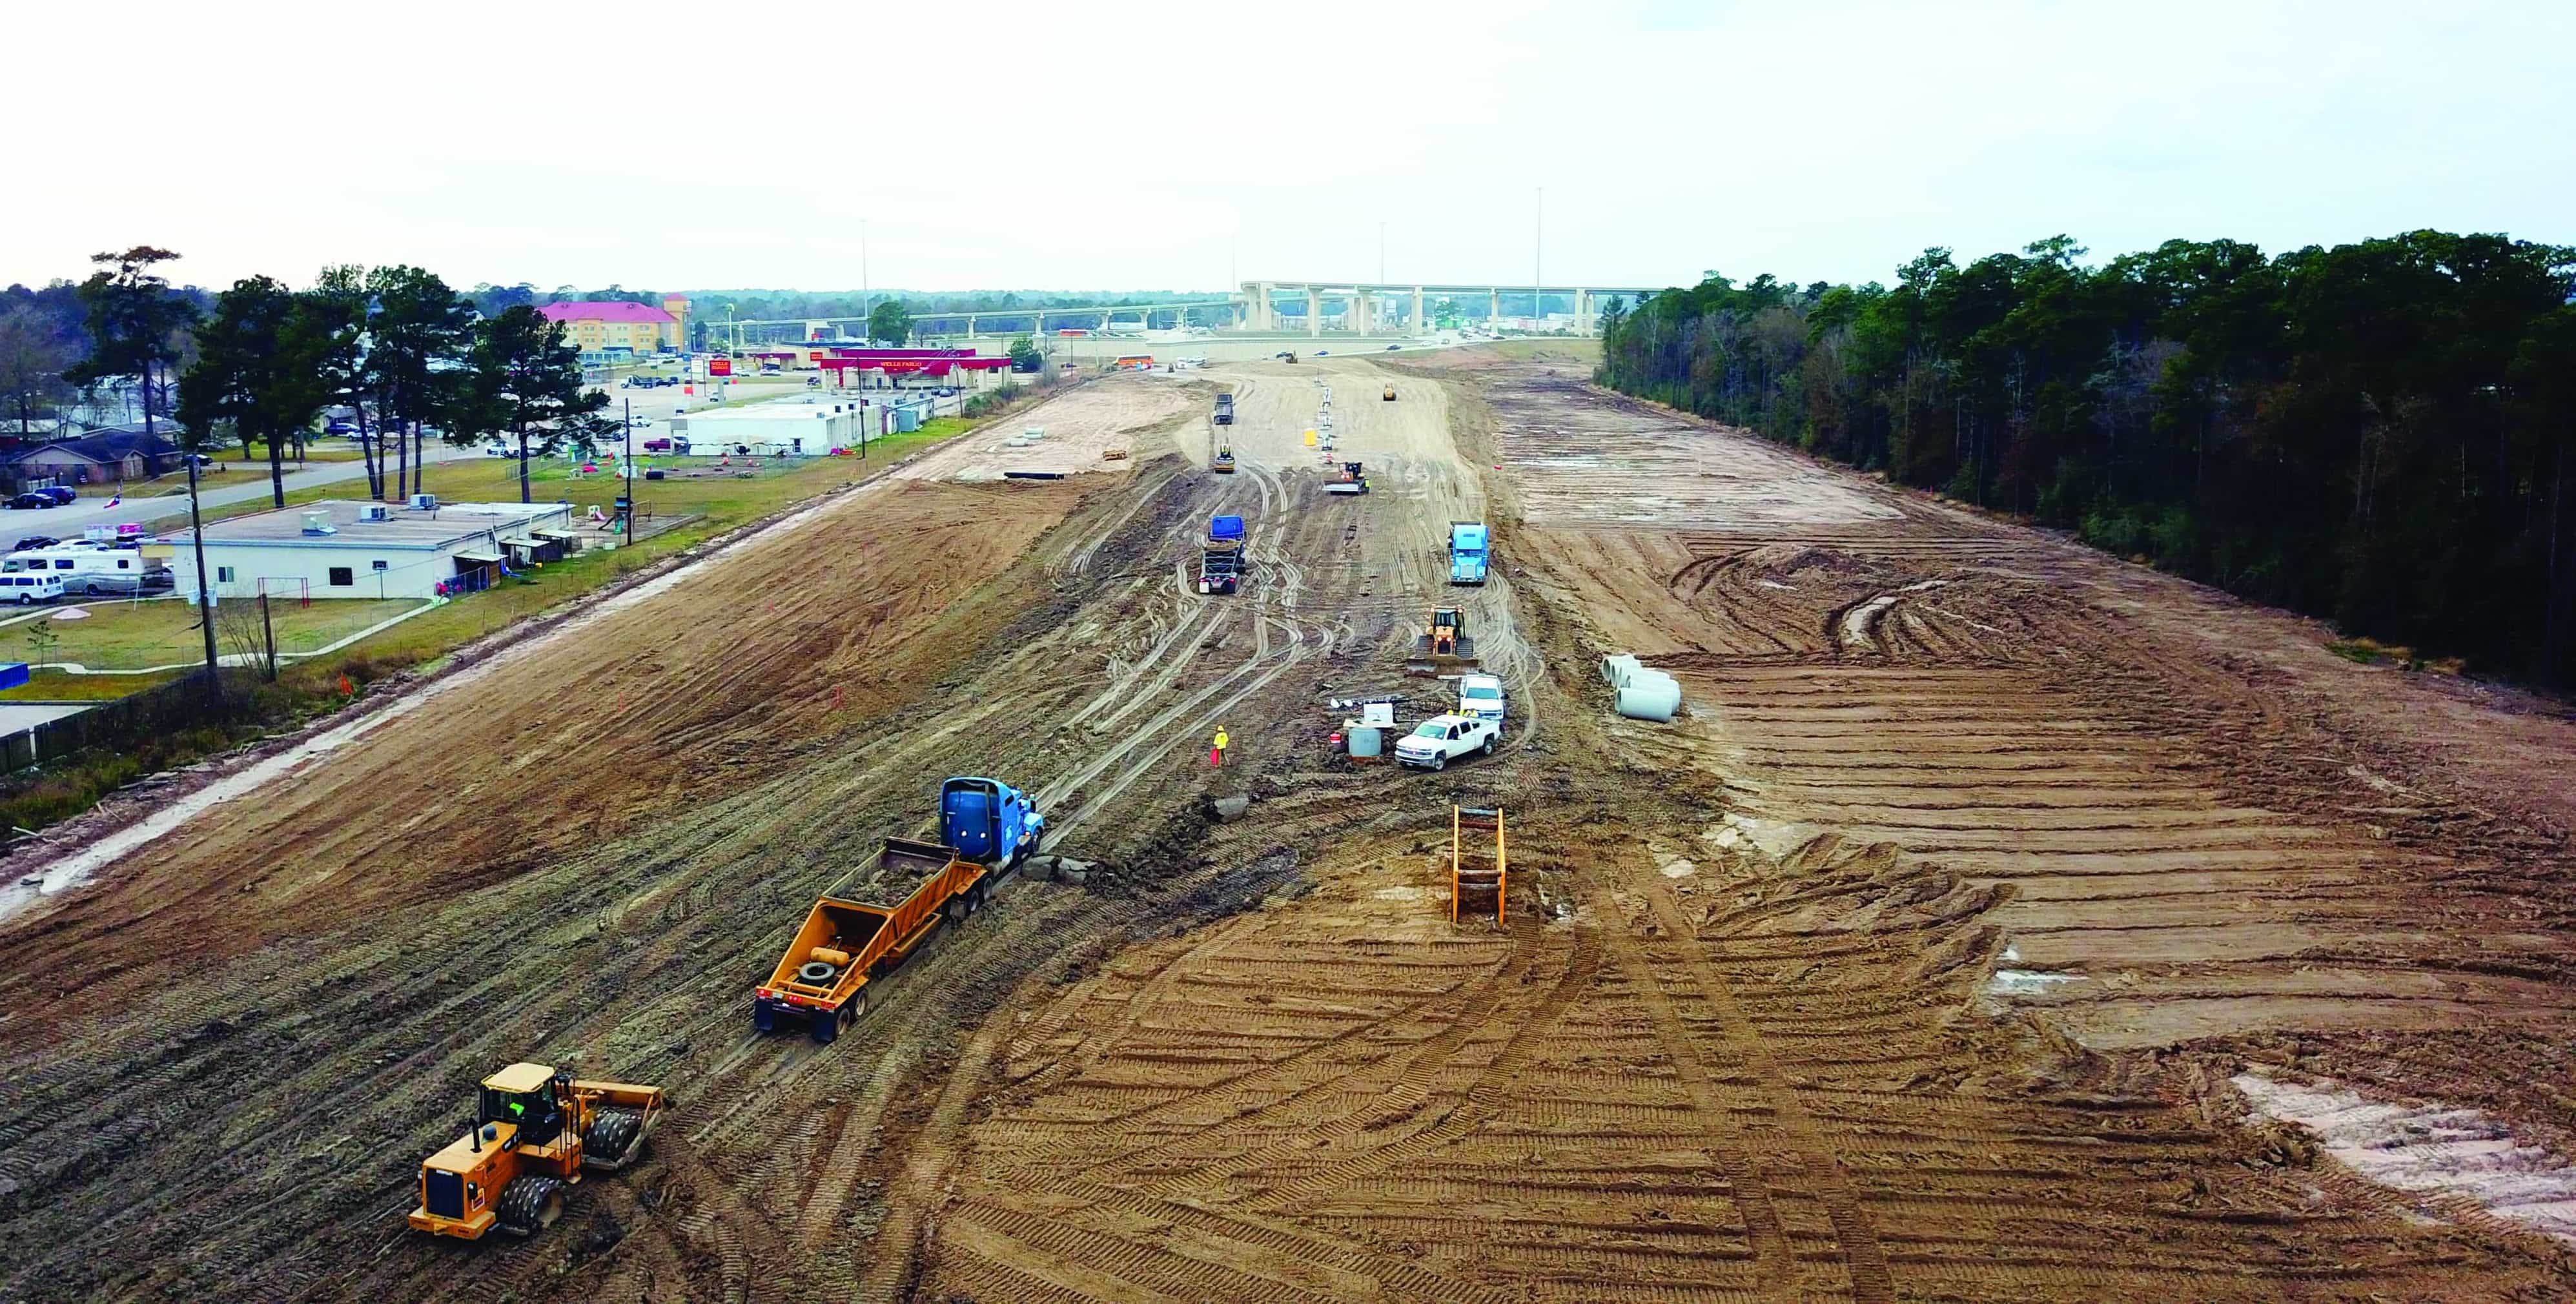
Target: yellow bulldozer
{"points": [[535, 1130], [1445, 647]]}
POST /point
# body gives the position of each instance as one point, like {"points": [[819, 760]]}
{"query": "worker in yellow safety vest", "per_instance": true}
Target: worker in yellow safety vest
{"points": [[1216, 747]]}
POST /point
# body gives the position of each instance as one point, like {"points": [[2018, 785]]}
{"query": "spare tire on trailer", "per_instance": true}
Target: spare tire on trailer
{"points": [[817, 972]]}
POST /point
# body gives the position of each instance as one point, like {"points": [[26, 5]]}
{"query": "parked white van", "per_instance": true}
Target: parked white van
{"points": [[28, 589]]}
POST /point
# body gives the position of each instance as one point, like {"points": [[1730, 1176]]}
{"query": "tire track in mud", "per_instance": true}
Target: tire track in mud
{"points": [[1863, 1259], [893, 1266], [1774, 1262], [742, 1155]]}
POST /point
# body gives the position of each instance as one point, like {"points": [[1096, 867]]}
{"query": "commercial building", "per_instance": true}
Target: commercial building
{"points": [[605, 329], [343, 549], [774, 429]]}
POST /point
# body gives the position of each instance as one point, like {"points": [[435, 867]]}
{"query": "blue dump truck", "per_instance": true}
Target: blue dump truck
{"points": [[1221, 558], [986, 828], [1466, 552]]}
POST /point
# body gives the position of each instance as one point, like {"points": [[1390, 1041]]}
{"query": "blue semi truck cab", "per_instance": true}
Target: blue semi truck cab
{"points": [[1466, 552], [989, 821]]}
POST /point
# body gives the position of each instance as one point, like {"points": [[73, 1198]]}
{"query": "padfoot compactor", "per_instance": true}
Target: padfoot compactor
{"points": [[534, 1132]]}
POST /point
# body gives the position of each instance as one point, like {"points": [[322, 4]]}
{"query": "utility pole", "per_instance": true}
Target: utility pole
{"points": [[1538, 257], [865, 333], [630, 468], [205, 601]]}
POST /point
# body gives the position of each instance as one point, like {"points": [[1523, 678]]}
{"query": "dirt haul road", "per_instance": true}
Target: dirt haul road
{"points": [[1935, 953]]}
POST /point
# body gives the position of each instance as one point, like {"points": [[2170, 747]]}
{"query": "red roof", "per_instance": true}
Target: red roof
{"points": [[602, 310]]}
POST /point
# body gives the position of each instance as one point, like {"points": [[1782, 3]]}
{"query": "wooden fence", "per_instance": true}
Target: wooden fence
{"points": [[174, 707]]}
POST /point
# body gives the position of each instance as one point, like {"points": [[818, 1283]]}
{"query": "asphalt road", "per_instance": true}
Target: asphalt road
{"points": [[238, 486]]}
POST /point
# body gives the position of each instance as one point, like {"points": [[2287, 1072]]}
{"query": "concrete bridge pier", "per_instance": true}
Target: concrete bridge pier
{"points": [[1314, 313], [1420, 327]]}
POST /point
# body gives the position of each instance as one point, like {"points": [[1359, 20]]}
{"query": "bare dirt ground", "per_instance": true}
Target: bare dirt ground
{"points": [[1112, 415], [1935, 953]]}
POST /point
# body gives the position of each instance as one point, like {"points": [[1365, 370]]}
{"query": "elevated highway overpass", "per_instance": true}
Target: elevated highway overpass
{"points": [[1365, 308]]}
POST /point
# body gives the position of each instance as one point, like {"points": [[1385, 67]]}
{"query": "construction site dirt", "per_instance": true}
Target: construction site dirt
{"points": [[1997, 920]]}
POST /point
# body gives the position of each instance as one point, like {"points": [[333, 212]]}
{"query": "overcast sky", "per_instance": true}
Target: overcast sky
{"points": [[1151, 145]]}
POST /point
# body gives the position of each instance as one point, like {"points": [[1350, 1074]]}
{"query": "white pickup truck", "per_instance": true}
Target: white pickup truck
{"points": [[1442, 738], [1481, 696]]}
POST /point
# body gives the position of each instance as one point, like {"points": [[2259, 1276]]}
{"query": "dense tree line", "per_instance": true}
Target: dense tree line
{"points": [[261, 363], [2377, 433]]}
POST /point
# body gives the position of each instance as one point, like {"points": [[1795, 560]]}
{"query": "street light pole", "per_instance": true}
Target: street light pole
{"points": [[1538, 258], [205, 602]]}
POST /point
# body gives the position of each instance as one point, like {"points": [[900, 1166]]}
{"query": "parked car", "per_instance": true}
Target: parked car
{"points": [[341, 428], [62, 494], [1393, 347], [1436, 741], [35, 541], [27, 501], [499, 450], [657, 445]]}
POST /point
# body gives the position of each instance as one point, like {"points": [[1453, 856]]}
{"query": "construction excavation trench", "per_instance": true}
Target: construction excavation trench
{"points": [[1997, 920]]}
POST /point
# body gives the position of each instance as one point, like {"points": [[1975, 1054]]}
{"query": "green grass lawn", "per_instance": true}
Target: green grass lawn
{"points": [[714, 503], [61, 686], [123, 634]]}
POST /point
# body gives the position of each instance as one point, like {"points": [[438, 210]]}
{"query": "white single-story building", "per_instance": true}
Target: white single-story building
{"points": [[342, 549], [777, 429]]}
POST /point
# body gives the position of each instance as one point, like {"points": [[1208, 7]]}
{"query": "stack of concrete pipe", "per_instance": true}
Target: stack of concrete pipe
{"points": [[1642, 692]]}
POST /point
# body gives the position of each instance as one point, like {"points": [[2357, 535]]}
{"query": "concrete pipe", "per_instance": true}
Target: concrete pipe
{"points": [[1616, 669], [1650, 695]]}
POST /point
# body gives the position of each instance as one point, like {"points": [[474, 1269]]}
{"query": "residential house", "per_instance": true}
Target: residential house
{"points": [[111, 455]]}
